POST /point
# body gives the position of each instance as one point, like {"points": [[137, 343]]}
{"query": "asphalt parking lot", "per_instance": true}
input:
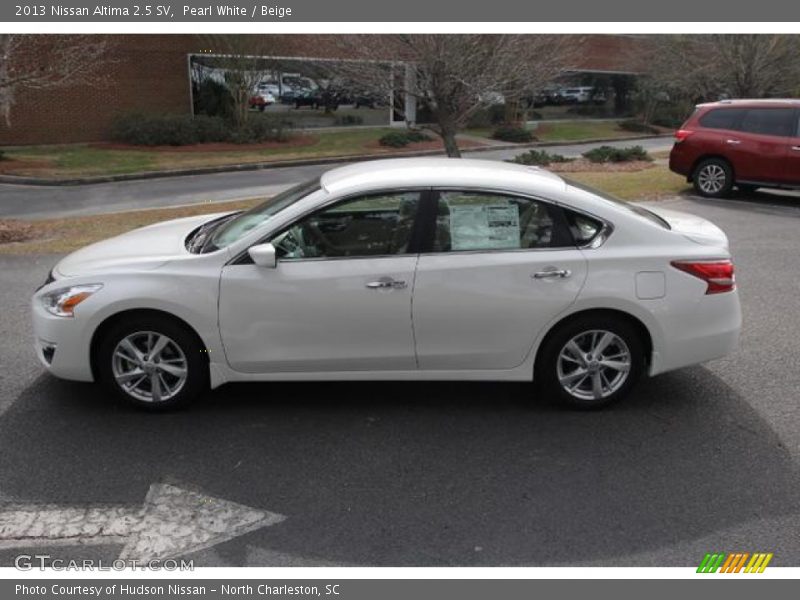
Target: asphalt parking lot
{"points": [[393, 474]]}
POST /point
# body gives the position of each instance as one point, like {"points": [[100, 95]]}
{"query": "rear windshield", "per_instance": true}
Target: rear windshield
{"points": [[634, 208]]}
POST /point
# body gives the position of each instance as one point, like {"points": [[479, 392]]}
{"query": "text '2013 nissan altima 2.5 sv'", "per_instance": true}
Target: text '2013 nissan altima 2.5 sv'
{"points": [[407, 269]]}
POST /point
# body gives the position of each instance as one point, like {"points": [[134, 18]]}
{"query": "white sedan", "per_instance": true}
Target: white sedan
{"points": [[409, 269]]}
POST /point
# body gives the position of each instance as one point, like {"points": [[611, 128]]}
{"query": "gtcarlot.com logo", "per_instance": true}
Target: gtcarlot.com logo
{"points": [[737, 562]]}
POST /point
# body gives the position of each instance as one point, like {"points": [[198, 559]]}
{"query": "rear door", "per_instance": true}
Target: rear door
{"points": [[793, 154], [759, 148], [500, 268]]}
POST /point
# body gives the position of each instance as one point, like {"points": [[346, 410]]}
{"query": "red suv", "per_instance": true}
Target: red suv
{"points": [[742, 143]]}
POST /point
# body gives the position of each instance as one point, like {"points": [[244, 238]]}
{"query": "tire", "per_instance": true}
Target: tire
{"points": [[125, 369], [559, 361], [713, 178]]}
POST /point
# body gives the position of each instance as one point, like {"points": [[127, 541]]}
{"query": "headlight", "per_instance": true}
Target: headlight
{"points": [[62, 302]]}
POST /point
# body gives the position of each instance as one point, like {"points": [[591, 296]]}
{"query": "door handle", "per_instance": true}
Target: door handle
{"points": [[734, 142], [796, 148], [386, 283], [552, 273]]}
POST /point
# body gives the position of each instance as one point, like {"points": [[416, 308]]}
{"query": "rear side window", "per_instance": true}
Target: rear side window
{"points": [[769, 121], [722, 118], [583, 229]]}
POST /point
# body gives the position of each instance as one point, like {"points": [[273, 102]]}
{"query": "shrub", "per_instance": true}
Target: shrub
{"points": [[401, 139], [349, 120], [513, 133], [605, 154], [3, 155], [490, 116], [182, 130], [637, 126], [539, 158], [212, 98]]}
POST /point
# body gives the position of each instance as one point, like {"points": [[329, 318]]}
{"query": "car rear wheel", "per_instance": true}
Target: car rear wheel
{"points": [[713, 178], [154, 363], [591, 362]]}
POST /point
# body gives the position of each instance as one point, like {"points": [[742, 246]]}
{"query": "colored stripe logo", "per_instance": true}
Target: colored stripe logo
{"points": [[737, 562]]}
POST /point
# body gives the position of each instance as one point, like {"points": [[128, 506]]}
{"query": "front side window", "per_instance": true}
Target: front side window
{"points": [[375, 225], [779, 122], [469, 220]]}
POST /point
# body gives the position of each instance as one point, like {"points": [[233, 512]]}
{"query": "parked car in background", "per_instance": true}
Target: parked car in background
{"points": [[576, 95], [409, 269], [739, 143], [261, 100]]}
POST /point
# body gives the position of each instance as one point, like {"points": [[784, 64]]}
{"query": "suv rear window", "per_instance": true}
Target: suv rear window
{"points": [[722, 118], [769, 121]]}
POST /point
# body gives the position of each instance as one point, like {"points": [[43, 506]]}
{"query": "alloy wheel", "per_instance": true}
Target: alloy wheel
{"points": [[593, 365], [711, 178], [149, 366]]}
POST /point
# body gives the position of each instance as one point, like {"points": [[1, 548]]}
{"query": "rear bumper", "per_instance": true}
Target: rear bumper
{"points": [[708, 331], [680, 161]]}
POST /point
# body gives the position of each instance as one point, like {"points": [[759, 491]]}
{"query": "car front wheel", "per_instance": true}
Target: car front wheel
{"points": [[152, 362], [713, 178], [591, 362]]}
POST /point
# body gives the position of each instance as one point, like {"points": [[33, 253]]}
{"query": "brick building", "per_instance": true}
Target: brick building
{"points": [[150, 74]]}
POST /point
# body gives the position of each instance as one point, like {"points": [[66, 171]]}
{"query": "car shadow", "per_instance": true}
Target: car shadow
{"points": [[428, 474]]}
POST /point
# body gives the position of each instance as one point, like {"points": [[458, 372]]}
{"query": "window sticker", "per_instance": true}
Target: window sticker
{"points": [[484, 226]]}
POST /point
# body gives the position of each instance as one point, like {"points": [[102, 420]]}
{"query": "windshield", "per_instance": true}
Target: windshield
{"points": [[239, 226], [634, 208]]}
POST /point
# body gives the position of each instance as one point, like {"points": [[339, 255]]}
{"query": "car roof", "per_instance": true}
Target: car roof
{"points": [[751, 102], [439, 172]]}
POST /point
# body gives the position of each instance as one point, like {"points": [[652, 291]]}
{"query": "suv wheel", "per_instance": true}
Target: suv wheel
{"points": [[152, 362], [591, 362], [713, 178]]}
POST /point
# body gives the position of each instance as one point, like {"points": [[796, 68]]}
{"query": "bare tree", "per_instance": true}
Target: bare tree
{"points": [[41, 62], [707, 67], [242, 59], [456, 75]]}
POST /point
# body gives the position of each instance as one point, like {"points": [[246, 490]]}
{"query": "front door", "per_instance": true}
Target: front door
{"points": [[339, 298], [502, 267]]}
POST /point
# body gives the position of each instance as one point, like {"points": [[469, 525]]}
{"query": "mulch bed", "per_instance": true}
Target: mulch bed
{"points": [[434, 144], [12, 230], [14, 165], [296, 141]]}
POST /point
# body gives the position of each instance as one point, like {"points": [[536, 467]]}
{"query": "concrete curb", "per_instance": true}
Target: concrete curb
{"points": [[278, 164]]}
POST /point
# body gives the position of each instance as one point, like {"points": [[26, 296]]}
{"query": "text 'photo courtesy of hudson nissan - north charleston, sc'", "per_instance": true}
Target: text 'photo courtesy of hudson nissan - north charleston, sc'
{"points": [[405, 269]]}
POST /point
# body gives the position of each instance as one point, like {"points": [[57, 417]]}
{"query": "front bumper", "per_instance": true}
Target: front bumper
{"points": [[61, 344]]}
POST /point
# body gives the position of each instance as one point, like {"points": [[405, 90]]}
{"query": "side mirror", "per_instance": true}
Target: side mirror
{"points": [[264, 255]]}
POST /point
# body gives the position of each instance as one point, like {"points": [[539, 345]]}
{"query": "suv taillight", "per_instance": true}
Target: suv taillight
{"points": [[682, 134], [718, 274]]}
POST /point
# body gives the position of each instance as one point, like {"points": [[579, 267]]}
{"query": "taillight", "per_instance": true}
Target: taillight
{"points": [[682, 134], [718, 274]]}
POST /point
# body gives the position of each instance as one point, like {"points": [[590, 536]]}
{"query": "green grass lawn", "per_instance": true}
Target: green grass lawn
{"points": [[83, 160], [568, 131], [648, 184]]}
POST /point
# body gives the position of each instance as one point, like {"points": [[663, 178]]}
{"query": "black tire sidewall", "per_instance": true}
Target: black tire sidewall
{"points": [[197, 364], [725, 166], [546, 375]]}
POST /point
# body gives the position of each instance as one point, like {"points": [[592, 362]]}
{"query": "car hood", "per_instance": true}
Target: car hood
{"points": [[697, 229], [144, 248]]}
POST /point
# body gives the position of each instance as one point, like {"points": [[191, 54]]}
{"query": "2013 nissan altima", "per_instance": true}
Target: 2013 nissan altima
{"points": [[423, 269]]}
